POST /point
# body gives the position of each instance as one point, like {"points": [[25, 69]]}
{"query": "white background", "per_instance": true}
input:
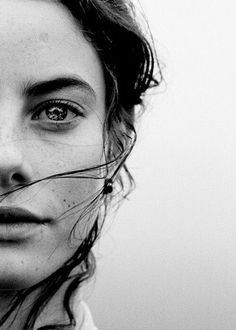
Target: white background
{"points": [[168, 259]]}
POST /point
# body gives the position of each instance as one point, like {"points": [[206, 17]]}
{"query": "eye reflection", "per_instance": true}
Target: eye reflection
{"points": [[56, 113]]}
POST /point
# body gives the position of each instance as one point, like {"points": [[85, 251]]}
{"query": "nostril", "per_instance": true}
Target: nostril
{"points": [[15, 169], [18, 178]]}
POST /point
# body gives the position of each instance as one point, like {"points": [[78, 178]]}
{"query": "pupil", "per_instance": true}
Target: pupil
{"points": [[56, 113]]}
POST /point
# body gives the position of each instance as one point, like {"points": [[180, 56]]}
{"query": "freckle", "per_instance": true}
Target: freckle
{"points": [[36, 269], [73, 203], [68, 205], [64, 200], [22, 262]]}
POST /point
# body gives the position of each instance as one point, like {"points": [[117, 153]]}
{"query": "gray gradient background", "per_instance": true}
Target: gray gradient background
{"points": [[168, 259]]}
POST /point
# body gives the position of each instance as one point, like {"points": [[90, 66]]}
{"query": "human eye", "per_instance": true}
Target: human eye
{"points": [[58, 114]]}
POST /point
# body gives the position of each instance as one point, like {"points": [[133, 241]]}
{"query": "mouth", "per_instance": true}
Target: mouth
{"points": [[19, 225], [14, 215]]}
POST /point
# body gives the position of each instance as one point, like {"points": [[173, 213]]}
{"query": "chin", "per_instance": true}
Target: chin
{"points": [[17, 272]]}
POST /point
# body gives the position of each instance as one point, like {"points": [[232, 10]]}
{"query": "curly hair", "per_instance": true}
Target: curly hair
{"points": [[129, 64]]}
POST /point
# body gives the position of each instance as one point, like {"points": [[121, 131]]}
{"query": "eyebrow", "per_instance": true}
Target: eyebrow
{"points": [[44, 87]]}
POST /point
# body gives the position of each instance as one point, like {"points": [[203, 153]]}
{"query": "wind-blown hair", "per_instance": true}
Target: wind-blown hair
{"points": [[129, 63]]}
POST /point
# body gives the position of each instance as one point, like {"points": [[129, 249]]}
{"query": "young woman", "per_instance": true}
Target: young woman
{"points": [[71, 75]]}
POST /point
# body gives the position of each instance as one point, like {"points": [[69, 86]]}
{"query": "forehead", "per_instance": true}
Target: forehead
{"points": [[40, 37]]}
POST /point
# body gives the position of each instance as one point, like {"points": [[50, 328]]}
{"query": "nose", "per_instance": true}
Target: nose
{"points": [[14, 170]]}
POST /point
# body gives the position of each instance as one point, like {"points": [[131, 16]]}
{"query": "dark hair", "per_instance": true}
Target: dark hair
{"points": [[129, 63]]}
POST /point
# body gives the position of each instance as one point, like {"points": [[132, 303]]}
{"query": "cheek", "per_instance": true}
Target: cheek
{"points": [[81, 178], [55, 158], [72, 196]]}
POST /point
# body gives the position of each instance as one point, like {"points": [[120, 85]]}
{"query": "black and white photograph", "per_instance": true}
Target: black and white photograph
{"points": [[117, 165]]}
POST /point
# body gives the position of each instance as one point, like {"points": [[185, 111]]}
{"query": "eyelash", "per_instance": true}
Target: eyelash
{"points": [[67, 106]]}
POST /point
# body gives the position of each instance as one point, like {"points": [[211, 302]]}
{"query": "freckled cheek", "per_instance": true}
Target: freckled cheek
{"points": [[73, 199], [65, 196], [55, 157], [69, 197], [85, 182], [78, 190]]}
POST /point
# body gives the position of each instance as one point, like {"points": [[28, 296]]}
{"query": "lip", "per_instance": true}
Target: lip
{"points": [[18, 225], [13, 215]]}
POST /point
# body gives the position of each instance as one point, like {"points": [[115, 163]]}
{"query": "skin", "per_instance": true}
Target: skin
{"points": [[40, 41]]}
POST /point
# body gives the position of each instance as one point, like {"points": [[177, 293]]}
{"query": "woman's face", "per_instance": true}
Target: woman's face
{"points": [[52, 105]]}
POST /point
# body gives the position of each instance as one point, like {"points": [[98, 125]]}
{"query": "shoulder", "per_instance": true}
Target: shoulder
{"points": [[87, 320], [83, 317]]}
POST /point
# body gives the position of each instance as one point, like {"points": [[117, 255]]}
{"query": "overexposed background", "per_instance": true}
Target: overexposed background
{"points": [[168, 259]]}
